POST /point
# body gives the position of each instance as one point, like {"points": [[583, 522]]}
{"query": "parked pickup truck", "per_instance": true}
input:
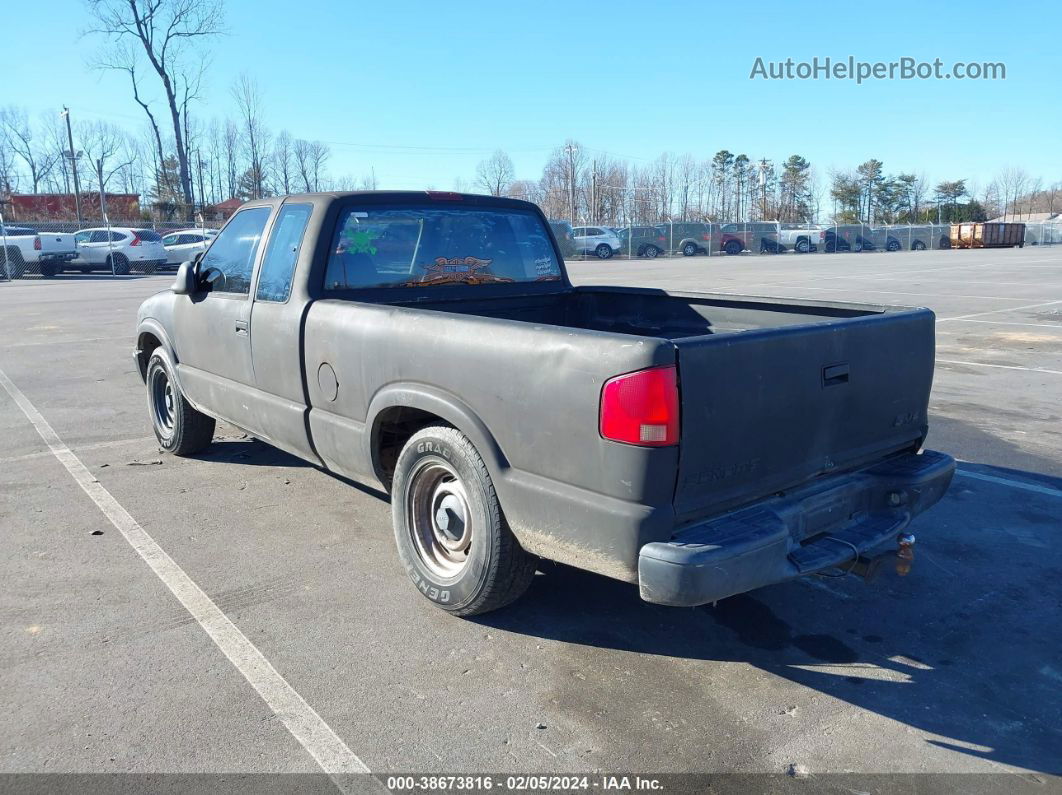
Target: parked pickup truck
{"points": [[30, 251], [432, 344]]}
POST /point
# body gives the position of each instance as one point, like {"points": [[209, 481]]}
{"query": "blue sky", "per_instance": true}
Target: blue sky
{"points": [[421, 91]]}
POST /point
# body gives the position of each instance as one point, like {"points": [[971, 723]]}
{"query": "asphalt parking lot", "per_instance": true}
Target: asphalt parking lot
{"points": [[956, 668]]}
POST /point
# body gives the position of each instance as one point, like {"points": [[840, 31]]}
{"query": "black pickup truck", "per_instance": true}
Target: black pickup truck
{"points": [[431, 343]]}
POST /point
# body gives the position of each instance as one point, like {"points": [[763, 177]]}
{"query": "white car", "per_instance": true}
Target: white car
{"points": [[121, 249], [598, 240], [184, 244]]}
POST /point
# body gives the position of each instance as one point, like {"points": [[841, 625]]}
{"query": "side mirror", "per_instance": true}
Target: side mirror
{"points": [[185, 283]]}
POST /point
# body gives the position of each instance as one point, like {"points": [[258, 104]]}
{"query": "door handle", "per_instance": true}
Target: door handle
{"points": [[241, 327], [835, 374]]}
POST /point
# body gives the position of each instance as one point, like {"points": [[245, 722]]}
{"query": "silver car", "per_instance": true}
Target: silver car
{"points": [[184, 244], [598, 240]]}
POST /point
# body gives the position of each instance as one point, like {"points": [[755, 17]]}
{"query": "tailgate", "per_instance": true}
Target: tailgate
{"points": [[766, 410]]}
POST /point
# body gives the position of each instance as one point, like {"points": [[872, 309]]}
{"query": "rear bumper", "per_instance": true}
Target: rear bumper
{"points": [[817, 527]]}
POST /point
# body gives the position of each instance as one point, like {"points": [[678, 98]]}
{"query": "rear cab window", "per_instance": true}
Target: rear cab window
{"points": [[431, 246]]}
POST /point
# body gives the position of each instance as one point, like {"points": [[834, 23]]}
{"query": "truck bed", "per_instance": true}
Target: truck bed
{"points": [[654, 313], [773, 392]]}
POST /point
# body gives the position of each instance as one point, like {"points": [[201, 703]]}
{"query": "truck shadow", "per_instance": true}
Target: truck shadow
{"points": [[965, 649]]}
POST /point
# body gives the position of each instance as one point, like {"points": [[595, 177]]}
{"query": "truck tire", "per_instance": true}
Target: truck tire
{"points": [[803, 245], [16, 264], [689, 250], [732, 247], [49, 269], [180, 429], [451, 535], [118, 264]]}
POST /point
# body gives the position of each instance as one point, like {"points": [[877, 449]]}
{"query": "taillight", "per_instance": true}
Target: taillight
{"points": [[642, 408], [37, 243], [704, 236], [136, 240]]}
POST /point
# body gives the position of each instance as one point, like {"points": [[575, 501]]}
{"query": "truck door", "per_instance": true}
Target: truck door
{"points": [[212, 330], [276, 335]]}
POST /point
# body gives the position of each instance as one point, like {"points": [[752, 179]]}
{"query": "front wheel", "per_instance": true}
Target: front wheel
{"points": [[180, 429], [603, 251], [452, 538], [918, 245]]}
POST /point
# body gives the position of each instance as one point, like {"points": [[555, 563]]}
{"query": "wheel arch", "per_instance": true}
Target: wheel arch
{"points": [[398, 411], [149, 336]]}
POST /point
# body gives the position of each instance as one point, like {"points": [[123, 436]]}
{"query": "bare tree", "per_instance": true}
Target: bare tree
{"points": [[310, 160], [283, 163], [255, 135], [495, 174], [19, 135], [104, 145], [166, 33]]}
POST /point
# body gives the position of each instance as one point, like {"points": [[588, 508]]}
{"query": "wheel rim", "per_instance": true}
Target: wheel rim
{"points": [[438, 518], [163, 402], [689, 251], [651, 252], [802, 247]]}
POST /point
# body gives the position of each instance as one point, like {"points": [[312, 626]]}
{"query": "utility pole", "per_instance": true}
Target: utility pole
{"points": [[571, 150], [73, 163], [593, 193]]}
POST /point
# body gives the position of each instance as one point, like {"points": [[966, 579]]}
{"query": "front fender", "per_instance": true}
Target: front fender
{"points": [[150, 325]]}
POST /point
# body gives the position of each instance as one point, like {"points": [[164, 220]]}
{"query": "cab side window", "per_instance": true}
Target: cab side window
{"points": [[278, 265], [233, 251]]}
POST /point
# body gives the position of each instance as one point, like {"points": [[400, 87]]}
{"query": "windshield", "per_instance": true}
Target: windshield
{"points": [[411, 246]]}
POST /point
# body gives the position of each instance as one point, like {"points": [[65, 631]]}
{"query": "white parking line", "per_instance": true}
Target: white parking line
{"points": [[997, 311], [1015, 484], [309, 728], [1055, 326], [1003, 366]]}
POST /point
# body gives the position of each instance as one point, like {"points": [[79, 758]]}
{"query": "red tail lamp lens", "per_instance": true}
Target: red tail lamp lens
{"points": [[642, 408]]}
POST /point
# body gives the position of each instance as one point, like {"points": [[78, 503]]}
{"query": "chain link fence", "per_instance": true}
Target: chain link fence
{"points": [[48, 247], [764, 238]]}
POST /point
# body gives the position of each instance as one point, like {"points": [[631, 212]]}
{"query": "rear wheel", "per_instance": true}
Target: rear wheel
{"points": [[918, 245], [603, 251], [15, 263], [49, 269], [451, 535], [652, 251], [803, 246], [118, 264], [689, 250], [732, 247], [180, 429]]}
